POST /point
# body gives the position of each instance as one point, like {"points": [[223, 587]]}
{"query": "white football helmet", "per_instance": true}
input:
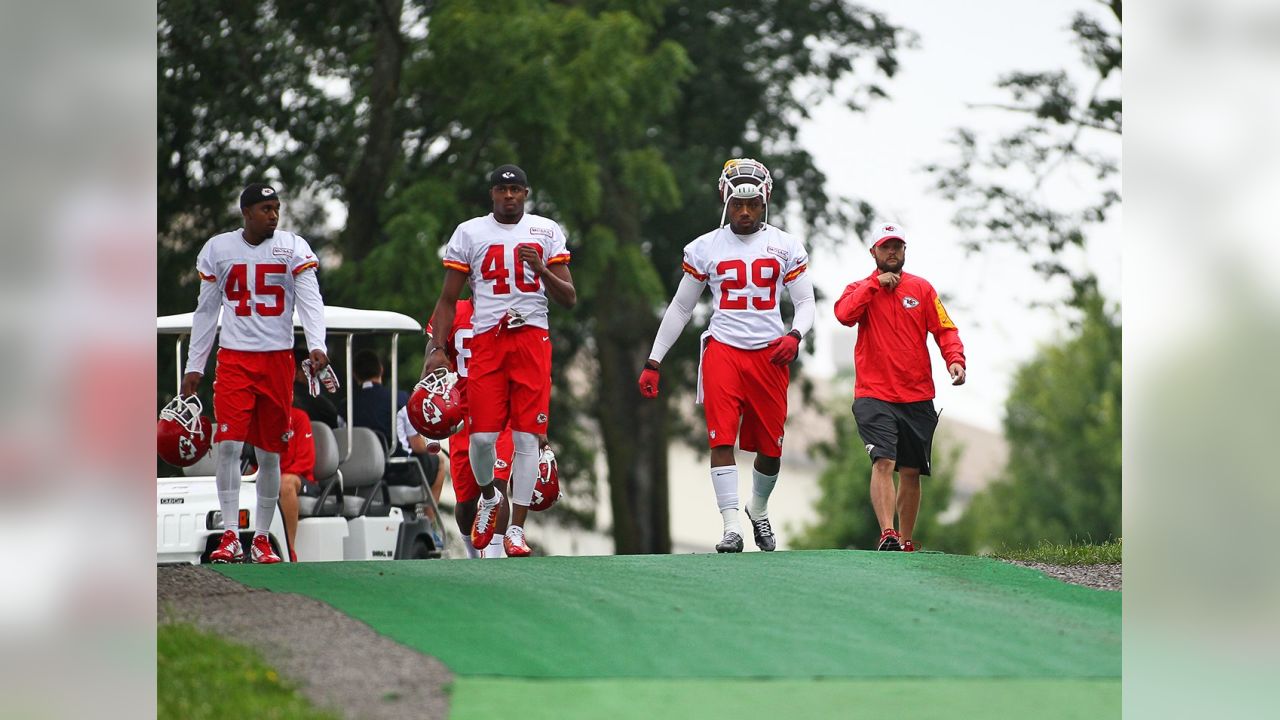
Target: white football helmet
{"points": [[745, 178]]}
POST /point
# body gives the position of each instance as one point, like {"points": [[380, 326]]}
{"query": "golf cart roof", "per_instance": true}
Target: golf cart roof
{"points": [[336, 319]]}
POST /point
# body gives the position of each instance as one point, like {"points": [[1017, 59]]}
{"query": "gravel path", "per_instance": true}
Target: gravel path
{"points": [[1102, 577], [335, 661]]}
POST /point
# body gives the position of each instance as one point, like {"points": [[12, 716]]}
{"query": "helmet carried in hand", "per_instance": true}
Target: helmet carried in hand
{"points": [[435, 407], [547, 489], [183, 434]]}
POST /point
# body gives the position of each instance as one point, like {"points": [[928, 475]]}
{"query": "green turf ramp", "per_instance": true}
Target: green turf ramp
{"points": [[782, 615], [987, 699]]}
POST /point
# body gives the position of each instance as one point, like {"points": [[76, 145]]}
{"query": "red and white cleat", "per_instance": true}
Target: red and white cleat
{"points": [[486, 521], [514, 542], [889, 540], [228, 550], [260, 551]]}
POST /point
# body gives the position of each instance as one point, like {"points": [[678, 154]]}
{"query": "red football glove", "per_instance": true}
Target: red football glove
{"points": [[649, 382], [784, 349]]}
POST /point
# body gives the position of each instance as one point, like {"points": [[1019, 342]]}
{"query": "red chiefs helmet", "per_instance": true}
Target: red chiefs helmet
{"points": [[435, 407], [183, 435], [547, 490]]}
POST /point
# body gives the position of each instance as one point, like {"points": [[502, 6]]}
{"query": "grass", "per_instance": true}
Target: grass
{"points": [[202, 676], [1070, 554]]}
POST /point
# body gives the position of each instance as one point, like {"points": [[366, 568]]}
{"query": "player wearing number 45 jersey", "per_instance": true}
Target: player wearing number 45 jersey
{"points": [[254, 276], [513, 260], [746, 351]]}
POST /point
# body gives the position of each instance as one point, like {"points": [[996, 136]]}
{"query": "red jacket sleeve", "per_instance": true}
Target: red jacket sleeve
{"points": [[853, 302], [944, 331]]}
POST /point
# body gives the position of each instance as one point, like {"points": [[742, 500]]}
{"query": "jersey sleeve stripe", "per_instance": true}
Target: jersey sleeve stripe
{"points": [[460, 267], [697, 275], [795, 273], [207, 278], [562, 259], [305, 266]]}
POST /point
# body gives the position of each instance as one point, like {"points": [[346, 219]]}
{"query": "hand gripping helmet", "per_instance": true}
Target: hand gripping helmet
{"points": [[183, 435], [435, 407], [745, 178], [547, 489]]}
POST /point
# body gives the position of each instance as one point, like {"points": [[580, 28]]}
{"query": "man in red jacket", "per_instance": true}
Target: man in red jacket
{"points": [[893, 392]]}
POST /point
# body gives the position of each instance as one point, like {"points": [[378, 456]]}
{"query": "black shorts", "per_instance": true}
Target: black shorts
{"points": [[902, 432]]}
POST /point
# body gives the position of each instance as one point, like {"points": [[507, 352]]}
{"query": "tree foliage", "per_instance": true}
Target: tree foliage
{"points": [[1009, 190], [621, 113], [1063, 479]]}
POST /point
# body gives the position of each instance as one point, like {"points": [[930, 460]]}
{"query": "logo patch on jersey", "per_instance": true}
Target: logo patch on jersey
{"points": [[779, 441], [909, 302], [547, 233], [499, 464], [542, 418], [870, 447], [784, 254], [283, 252], [287, 436], [713, 434]]}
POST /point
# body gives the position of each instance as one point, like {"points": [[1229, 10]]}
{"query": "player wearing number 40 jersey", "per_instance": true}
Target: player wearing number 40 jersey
{"points": [[513, 261], [746, 351], [255, 277]]}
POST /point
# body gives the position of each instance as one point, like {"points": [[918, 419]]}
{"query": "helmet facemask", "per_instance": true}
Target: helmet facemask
{"points": [[186, 412]]}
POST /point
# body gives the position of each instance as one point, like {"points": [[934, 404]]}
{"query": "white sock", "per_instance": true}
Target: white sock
{"points": [[472, 553], [761, 488], [227, 480], [494, 549], [483, 451], [725, 481], [268, 490]]}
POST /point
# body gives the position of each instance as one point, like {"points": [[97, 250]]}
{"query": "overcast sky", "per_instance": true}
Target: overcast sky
{"points": [[878, 155]]}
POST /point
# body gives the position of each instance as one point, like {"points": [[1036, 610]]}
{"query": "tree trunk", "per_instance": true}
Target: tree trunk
{"points": [[366, 184], [634, 429]]}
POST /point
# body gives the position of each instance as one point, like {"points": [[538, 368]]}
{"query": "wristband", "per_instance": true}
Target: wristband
{"points": [[651, 364], [796, 334]]}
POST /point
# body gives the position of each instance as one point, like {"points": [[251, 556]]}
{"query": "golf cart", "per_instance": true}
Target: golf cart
{"points": [[371, 505]]}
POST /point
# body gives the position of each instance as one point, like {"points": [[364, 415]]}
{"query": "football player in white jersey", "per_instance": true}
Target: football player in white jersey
{"points": [[513, 261], [253, 276], [746, 351]]}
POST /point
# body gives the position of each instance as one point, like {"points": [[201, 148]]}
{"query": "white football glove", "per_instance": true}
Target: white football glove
{"points": [[325, 377]]}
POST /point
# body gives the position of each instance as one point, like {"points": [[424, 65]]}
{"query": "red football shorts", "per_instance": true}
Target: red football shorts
{"points": [[509, 380], [742, 388], [252, 394], [465, 487]]}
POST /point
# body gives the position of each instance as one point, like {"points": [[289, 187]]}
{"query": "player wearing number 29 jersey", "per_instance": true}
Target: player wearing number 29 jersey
{"points": [[746, 351], [513, 262]]}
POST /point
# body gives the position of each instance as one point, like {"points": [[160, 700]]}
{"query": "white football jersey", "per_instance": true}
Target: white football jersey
{"points": [[746, 274], [256, 286], [486, 250]]}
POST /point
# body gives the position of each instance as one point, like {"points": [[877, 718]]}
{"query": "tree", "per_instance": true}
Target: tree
{"points": [[1009, 191], [1062, 421]]}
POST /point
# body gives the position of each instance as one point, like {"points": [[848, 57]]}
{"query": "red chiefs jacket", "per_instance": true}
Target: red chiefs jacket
{"points": [[891, 359]]}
